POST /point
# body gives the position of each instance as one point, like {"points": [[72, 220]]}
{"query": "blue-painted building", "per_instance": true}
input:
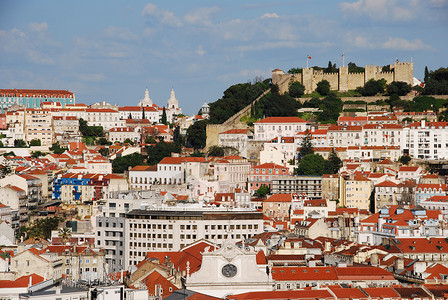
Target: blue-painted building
{"points": [[34, 98]]}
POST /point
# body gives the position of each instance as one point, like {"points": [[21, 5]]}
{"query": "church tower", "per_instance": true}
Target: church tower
{"points": [[172, 102], [145, 101]]}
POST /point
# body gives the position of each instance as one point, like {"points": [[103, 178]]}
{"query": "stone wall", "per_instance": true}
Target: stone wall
{"points": [[344, 81], [233, 122]]}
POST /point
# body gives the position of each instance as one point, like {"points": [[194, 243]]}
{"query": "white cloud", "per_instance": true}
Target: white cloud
{"points": [[119, 33], [39, 27], [200, 51], [201, 16], [393, 10], [402, 44], [161, 15], [269, 16], [362, 42]]}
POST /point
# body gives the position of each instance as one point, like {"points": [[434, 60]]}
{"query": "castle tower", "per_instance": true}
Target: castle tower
{"points": [[145, 101], [307, 80], [172, 102], [343, 78], [403, 71], [369, 73]]}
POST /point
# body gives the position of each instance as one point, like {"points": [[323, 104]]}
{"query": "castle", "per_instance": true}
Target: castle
{"points": [[343, 80]]}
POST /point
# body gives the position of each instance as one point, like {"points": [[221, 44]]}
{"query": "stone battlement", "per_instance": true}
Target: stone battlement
{"points": [[343, 80]]}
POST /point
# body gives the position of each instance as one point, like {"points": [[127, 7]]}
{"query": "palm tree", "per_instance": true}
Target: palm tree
{"points": [[65, 234]]}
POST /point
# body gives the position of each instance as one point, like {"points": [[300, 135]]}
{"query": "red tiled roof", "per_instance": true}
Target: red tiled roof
{"points": [[279, 198], [281, 120], [235, 131], [21, 281]]}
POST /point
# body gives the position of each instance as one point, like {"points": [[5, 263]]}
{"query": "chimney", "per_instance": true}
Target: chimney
{"points": [[423, 123]]}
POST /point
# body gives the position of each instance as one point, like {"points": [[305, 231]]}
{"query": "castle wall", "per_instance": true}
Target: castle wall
{"points": [[388, 76], [343, 81], [333, 79], [355, 80]]}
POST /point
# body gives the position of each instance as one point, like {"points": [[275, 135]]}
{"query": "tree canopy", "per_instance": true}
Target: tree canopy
{"points": [[40, 228], [399, 88], [275, 105], [236, 98], [311, 164], [437, 82], [196, 134], [333, 163], [160, 150], [35, 142], [306, 147], [296, 89], [323, 87], [121, 164], [372, 87]]}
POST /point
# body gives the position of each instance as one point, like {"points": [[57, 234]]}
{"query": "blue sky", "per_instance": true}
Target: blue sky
{"points": [[112, 50]]}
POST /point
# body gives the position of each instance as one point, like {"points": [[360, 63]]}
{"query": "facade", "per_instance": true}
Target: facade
{"points": [[38, 126], [311, 186], [34, 98], [355, 192], [171, 230], [66, 129], [265, 174], [426, 140], [274, 127], [229, 270], [236, 138]]}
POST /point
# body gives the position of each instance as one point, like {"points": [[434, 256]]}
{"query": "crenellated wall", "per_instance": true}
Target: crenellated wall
{"points": [[343, 80]]}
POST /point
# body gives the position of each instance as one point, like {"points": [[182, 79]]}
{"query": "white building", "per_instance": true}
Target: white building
{"points": [[426, 140], [173, 229], [236, 138], [273, 127]]}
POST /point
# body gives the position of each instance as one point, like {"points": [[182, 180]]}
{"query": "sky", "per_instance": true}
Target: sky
{"points": [[113, 50]]}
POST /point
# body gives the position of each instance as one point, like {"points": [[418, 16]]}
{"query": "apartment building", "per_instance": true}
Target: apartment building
{"points": [[426, 140], [173, 229], [311, 186], [236, 138], [273, 127]]}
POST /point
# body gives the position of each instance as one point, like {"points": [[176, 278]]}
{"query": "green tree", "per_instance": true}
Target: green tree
{"points": [[323, 87], [37, 154], [35, 142], [121, 164], [399, 88], [160, 150], [143, 112], [353, 68], [236, 98], [426, 74], [405, 159], [57, 149], [103, 141], [296, 89], [1, 144], [197, 154], [263, 190], [104, 151], [196, 134], [295, 71], [306, 147], [93, 131], [331, 107], [164, 121], [41, 228], [128, 141], [150, 140], [333, 163], [372, 87], [311, 164], [216, 151], [20, 143]]}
